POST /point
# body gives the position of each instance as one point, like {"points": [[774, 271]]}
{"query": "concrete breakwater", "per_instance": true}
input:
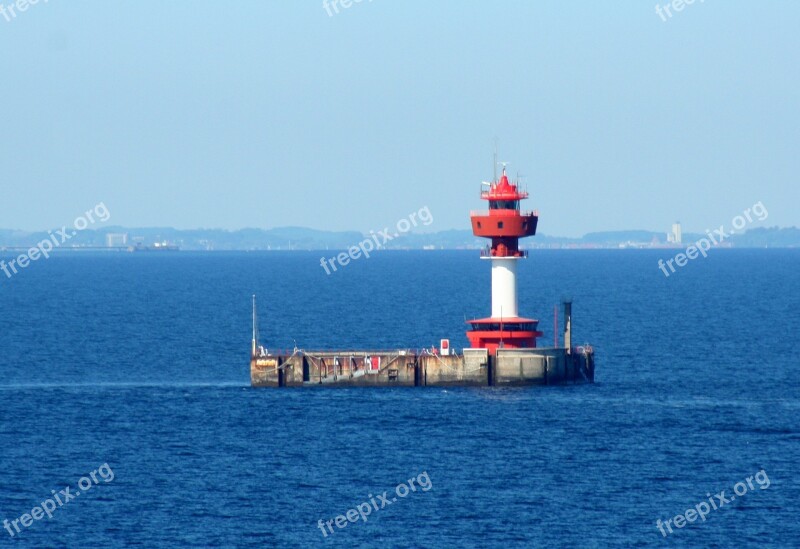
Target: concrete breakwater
{"points": [[474, 367]]}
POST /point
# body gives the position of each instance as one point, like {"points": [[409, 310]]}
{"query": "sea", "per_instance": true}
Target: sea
{"points": [[127, 418]]}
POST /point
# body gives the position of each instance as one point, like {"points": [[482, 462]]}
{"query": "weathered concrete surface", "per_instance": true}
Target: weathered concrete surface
{"points": [[475, 367], [264, 371], [470, 369]]}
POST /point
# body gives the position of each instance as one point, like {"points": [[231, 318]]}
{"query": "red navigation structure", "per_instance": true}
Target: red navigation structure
{"points": [[505, 224], [504, 350]]}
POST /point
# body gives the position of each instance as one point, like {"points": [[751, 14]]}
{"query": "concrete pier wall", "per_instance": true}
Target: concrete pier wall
{"points": [[469, 369], [264, 371], [473, 368], [522, 367]]}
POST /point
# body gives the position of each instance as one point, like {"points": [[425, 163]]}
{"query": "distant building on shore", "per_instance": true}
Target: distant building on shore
{"points": [[674, 236], [116, 240]]}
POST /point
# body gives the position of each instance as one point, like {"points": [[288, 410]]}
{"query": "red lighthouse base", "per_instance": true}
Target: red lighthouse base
{"points": [[508, 333]]}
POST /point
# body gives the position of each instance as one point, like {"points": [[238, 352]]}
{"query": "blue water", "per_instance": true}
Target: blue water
{"points": [[141, 362]]}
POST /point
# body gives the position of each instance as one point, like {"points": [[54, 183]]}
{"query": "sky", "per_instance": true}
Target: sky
{"points": [[199, 114]]}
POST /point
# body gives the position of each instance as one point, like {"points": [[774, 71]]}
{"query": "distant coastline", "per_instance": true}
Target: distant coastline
{"points": [[303, 239]]}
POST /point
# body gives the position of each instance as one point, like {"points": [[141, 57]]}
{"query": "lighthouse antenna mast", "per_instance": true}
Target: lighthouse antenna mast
{"points": [[255, 326], [494, 164]]}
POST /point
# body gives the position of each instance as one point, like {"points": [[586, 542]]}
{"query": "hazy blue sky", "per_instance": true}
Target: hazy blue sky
{"points": [[263, 114]]}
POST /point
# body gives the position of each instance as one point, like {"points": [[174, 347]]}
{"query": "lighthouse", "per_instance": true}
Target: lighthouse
{"points": [[503, 349], [504, 223]]}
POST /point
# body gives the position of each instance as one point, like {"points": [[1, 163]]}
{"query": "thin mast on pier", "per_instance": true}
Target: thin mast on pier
{"points": [[255, 327]]}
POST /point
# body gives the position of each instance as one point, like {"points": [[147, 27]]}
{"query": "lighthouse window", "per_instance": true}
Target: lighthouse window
{"points": [[503, 204], [479, 224], [499, 224]]}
